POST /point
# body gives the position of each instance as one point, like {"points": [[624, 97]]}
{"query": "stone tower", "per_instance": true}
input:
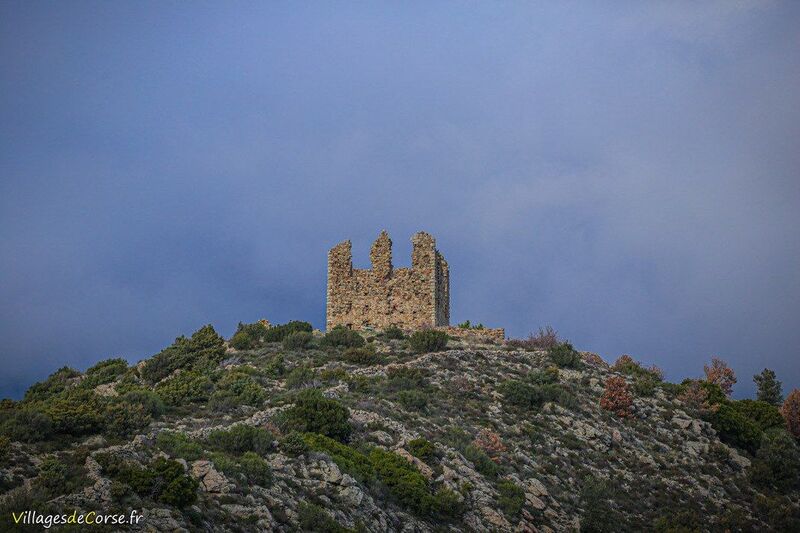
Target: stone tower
{"points": [[410, 298]]}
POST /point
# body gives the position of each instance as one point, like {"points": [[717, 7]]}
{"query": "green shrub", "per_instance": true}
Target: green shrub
{"points": [[301, 376], [5, 449], [55, 384], [405, 483], [544, 377], [26, 425], [428, 340], [149, 400], [184, 388], [483, 463], [179, 445], [104, 372], [735, 428], [248, 336], [405, 378], [421, 448], [769, 388], [520, 394], [242, 438], [298, 340], [342, 337], [393, 333], [448, 504], [276, 367], [765, 415], [362, 356], [53, 476], [123, 419], [467, 325], [599, 515], [313, 413], [313, 518], [565, 356], [75, 412], [511, 498], [645, 386], [237, 388], [256, 469], [164, 480], [346, 458], [413, 400], [278, 333], [777, 462], [293, 444], [203, 351]]}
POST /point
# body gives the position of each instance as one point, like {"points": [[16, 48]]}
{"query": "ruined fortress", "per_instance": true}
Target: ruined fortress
{"points": [[381, 296], [410, 298]]}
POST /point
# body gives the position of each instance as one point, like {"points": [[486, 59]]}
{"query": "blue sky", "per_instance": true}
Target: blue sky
{"points": [[627, 172]]}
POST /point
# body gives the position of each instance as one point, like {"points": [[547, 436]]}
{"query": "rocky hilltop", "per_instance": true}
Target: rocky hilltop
{"points": [[285, 429]]}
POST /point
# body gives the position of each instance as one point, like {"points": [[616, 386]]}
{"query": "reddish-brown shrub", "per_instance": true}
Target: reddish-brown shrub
{"points": [[696, 399], [720, 374], [593, 359], [544, 340], [490, 443], [616, 397], [791, 412]]}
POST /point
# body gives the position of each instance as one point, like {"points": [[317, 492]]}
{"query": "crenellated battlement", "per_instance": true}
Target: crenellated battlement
{"points": [[410, 298]]}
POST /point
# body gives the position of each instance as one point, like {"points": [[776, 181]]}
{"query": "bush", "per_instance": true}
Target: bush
{"points": [[242, 438], [421, 448], [248, 336], [490, 443], [765, 415], [203, 351], [104, 372], [546, 339], [279, 333], [483, 463], [645, 386], [467, 325], [565, 356], [405, 378], [413, 400], [511, 498], [237, 388], [393, 333], [735, 428], [5, 449], [26, 425], [298, 340], [276, 367], [627, 365], [75, 412], [314, 413], [544, 377], [362, 356], [123, 419], [293, 444], [346, 458], [616, 397], [164, 480], [428, 340], [777, 462], [313, 518], [184, 388], [179, 445], [526, 396], [769, 388], [53, 475], [55, 384], [256, 469], [719, 373], [149, 400], [341, 336], [791, 412], [599, 515], [405, 483], [301, 376]]}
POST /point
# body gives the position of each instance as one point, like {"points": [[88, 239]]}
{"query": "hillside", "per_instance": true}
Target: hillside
{"points": [[284, 429]]}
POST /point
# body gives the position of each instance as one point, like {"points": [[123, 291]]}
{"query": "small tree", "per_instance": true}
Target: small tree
{"points": [[616, 397], [769, 388], [721, 374], [791, 412]]}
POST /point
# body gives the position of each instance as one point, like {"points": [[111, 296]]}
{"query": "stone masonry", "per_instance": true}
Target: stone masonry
{"points": [[409, 298]]}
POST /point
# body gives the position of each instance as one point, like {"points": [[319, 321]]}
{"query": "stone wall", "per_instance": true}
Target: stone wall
{"points": [[483, 334], [410, 298]]}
